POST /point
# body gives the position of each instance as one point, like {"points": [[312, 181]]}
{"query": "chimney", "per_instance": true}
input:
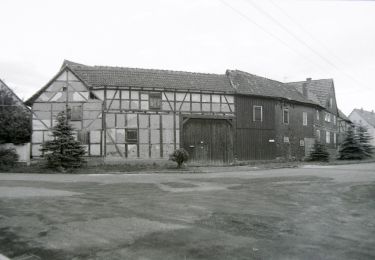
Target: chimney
{"points": [[308, 79]]}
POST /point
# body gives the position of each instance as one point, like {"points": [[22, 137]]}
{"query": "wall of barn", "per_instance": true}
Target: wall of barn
{"points": [[292, 137], [155, 116], [67, 92], [254, 139]]}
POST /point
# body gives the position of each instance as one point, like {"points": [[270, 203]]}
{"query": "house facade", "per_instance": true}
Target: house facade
{"points": [[366, 119], [126, 113]]}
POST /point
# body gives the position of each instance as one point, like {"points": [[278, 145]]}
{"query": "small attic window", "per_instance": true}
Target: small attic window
{"points": [[92, 96], [64, 88]]}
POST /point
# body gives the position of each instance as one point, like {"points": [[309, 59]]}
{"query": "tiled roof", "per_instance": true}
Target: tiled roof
{"points": [[249, 84], [368, 116], [100, 76], [318, 90]]}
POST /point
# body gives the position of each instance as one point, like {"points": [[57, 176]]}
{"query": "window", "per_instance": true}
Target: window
{"points": [[286, 139], [301, 142], [317, 115], [328, 137], [131, 136], [76, 113], [334, 138], [327, 117], [334, 119], [258, 113], [286, 116], [318, 135], [155, 100], [304, 118]]}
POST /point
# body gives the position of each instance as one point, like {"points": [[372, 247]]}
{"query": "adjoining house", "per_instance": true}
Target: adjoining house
{"points": [[366, 119], [344, 124], [144, 113], [325, 118]]}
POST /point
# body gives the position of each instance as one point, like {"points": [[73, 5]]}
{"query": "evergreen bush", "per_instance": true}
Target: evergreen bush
{"points": [[350, 148], [364, 139], [319, 153], [179, 156], [8, 158], [63, 152]]}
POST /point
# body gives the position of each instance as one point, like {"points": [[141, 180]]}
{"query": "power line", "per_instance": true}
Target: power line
{"points": [[304, 43], [270, 33]]}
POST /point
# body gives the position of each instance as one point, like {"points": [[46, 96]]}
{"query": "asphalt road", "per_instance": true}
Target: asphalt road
{"points": [[315, 212]]}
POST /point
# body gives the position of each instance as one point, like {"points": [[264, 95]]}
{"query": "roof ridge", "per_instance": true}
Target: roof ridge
{"points": [[74, 64], [253, 75], [331, 79]]}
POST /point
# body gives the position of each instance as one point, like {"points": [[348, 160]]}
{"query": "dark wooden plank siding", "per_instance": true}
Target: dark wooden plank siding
{"points": [[254, 140]]}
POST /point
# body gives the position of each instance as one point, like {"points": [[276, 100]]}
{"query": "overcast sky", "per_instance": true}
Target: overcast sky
{"points": [[281, 40]]}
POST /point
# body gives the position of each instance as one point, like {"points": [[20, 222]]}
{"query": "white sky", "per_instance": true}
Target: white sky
{"points": [[281, 40]]}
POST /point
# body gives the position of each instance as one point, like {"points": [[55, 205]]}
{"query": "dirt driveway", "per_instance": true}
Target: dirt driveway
{"points": [[306, 213]]}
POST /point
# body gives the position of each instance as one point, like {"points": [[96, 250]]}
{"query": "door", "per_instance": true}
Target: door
{"points": [[208, 140]]}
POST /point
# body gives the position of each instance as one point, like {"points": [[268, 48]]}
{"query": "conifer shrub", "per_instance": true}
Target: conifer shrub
{"points": [[319, 153], [179, 156], [364, 139], [8, 158], [63, 152], [350, 148]]}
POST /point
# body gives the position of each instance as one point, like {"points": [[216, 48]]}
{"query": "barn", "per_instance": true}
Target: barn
{"points": [[138, 113]]}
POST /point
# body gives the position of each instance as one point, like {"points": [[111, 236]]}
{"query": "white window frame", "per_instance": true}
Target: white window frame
{"points": [[317, 115], [318, 135], [286, 139], [334, 119], [304, 118], [328, 137], [334, 138], [261, 113], [287, 110], [327, 117]]}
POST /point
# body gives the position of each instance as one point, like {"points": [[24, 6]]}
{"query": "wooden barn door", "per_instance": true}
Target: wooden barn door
{"points": [[208, 140]]}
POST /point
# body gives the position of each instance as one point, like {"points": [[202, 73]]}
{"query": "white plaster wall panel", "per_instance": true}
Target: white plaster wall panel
{"points": [[35, 150], [206, 107], [76, 125], [58, 107], [144, 136], [111, 150], [95, 149], [56, 86], [215, 98], [63, 76], [225, 108], [110, 121], [132, 120], [180, 96], [134, 104], [177, 121], [132, 151], [120, 136], [111, 95], [232, 107], [168, 136], [196, 107], [143, 150], [43, 114], [135, 95], [155, 136], [144, 96], [80, 96], [120, 120], [59, 97], [99, 94], [206, 98], [125, 104], [177, 137], [41, 107], [92, 124], [111, 136], [95, 136], [167, 121], [124, 94], [37, 137], [114, 105], [196, 97], [155, 121], [87, 114], [167, 150], [215, 107], [77, 86], [168, 96], [185, 107], [144, 105], [155, 151], [38, 124], [143, 121], [230, 99], [44, 97], [72, 77], [166, 106], [93, 105]]}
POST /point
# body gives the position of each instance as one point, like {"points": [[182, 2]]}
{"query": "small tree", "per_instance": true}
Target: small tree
{"points": [[350, 148], [319, 153], [364, 139], [63, 151], [8, 158], [179, 156]]}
